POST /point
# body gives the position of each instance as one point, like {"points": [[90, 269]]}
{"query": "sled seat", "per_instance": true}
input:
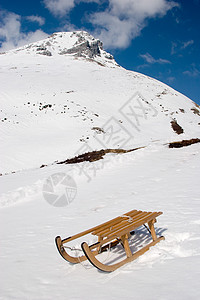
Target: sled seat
{"points": [[109, 234]]}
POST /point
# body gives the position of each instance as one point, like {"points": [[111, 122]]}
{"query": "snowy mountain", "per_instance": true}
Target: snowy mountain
{"points": [[78, 44], [65, 96], [56, 92]]}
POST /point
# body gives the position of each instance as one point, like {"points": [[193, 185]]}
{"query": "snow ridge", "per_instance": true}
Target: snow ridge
{"points": [[79, 44]]}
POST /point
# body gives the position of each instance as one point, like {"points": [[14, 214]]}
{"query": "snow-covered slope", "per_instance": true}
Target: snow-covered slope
{"points": [[64, 96], [49, 102]]}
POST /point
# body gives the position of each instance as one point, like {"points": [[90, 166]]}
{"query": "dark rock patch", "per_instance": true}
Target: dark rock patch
{"points": [[94, 155], [98, 130], [42, 166], [176, 127], [184, 143], [195, 111]]}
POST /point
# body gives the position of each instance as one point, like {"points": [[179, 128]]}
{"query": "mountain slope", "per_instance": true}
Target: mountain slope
{"points": [[64, 96], [54, 92]]}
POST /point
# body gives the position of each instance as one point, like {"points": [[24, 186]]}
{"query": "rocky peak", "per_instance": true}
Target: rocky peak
{"points": [[86, 45], [77, 43]]}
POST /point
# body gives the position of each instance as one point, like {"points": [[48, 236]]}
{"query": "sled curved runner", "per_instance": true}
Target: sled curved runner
{"points": [[109, 234], [78, 259], [110, 268]]}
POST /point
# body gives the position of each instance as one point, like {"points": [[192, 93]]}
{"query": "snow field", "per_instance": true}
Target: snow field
{"points": [[150, 179], [50, 106]]}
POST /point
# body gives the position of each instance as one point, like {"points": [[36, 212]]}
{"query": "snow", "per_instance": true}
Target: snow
{"points": [[154, 178], [85, 95]]}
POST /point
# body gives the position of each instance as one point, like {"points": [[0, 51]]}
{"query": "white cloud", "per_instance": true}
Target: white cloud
{"points": [[180, 45], [140, 9], [10, 26], [63, 7], [120, 22], [186, 44], [151, 60], [36, 19], [115, 33], [59, 7], [11, 34], [124, 19], [193, 72]]}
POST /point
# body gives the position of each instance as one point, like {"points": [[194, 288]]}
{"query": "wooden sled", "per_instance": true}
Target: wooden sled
{"points": [[109, 234]]}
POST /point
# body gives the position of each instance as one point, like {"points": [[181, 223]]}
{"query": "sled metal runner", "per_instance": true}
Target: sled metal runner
{"points": [[109, 234]]}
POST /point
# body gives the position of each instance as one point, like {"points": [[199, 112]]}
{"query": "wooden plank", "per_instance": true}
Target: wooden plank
{"points": [[120, 220], [133, 225], [113, 222], [124, 222]]}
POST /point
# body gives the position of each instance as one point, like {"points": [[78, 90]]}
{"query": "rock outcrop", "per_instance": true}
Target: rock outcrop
{"points": [[79, 44]]}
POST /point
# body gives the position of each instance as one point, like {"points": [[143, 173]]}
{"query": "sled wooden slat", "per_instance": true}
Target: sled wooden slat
{"points": [[109, 234], [124, 222], [122, 230], [119, 220]]}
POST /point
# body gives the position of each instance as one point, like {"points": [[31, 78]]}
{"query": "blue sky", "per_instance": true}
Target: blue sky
{"points": [[159, 38]]}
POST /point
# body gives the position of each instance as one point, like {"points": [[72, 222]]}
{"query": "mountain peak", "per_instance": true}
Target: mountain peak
{"points": [[76, 43]]}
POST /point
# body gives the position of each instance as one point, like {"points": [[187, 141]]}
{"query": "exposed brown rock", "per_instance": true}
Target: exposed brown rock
{"points": [[94, 155], [183, 143], [195, 111], [176, 127]]}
